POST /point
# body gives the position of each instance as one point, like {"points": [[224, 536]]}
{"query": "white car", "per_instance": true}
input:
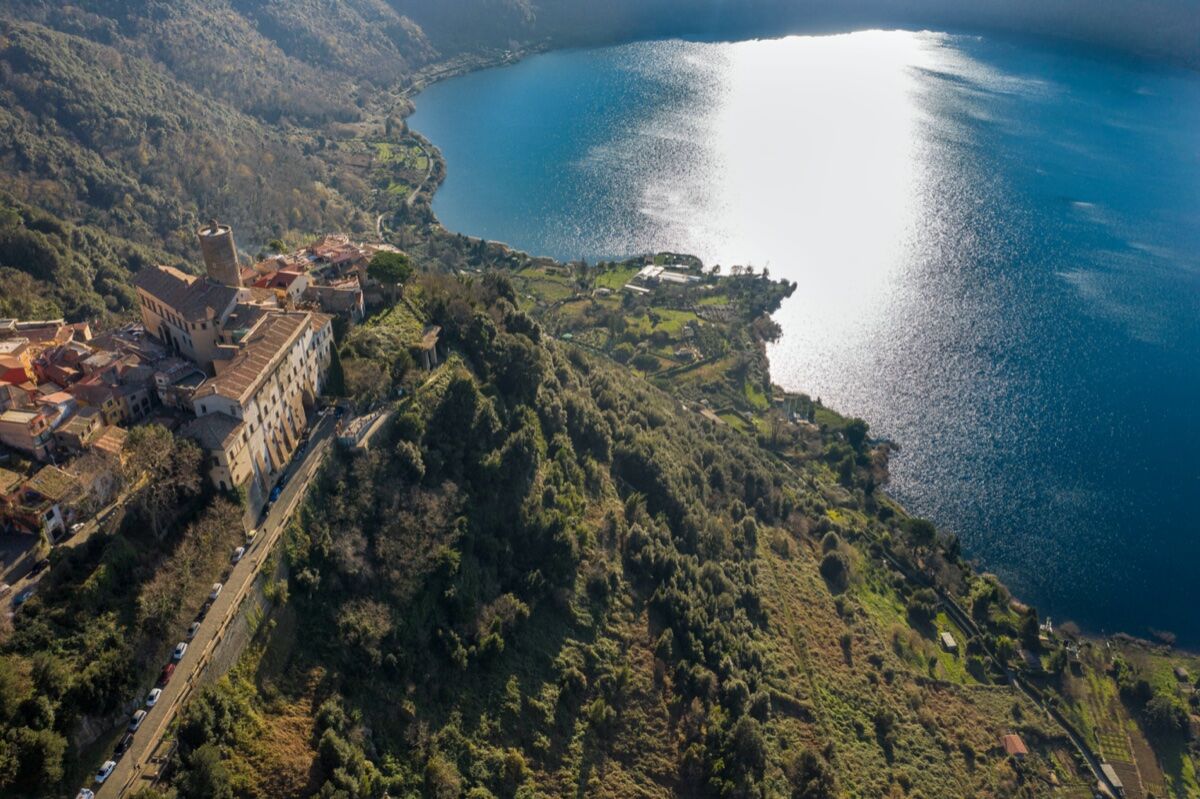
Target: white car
{"points": [[136, 721], [180, 648], [105, 771], [195, 628], [238, 553], [85, 793], [216, 592], [152, 697]]}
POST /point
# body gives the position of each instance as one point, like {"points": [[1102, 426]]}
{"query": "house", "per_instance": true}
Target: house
{"points": [[1014, 747], [16, 368], [343, 298], [176, 381], [79, 431], [13, 397], [291, 282], [28, 431], [948, 642], [59, 405], [44, 503]]}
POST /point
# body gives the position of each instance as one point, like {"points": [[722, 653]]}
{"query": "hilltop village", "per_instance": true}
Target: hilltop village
{"points": [[235, 359]]}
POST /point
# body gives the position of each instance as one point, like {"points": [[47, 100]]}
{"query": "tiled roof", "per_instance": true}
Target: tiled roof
{"points": [[214, 431], [52, 483], [9, 481], [261, 350], [191, 297], [112, 440], [319, 320], [79, 421]]}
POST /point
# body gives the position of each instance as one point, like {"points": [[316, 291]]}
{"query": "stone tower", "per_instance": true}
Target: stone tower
{"points": [[220, 253]]}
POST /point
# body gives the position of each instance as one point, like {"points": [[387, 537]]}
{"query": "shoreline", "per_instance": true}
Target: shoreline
{"points": [[467, 64]]}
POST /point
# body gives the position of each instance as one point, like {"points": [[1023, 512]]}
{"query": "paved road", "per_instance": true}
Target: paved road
{"points": [[128, 775]]}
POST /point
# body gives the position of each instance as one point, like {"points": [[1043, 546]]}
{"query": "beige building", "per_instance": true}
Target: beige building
{"points": [[262, 397]]}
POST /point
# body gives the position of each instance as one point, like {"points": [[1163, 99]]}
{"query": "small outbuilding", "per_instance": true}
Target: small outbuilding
{"points": [[1110, 774], [1014, 747], [948, 642]]}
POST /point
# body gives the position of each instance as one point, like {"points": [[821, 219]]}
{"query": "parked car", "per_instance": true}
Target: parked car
{"points": [[195, 628], [250, 535], [180, 649], [105, 771], [275, 492], [39, 567], [123, 746], [152, 697], [75, 528], [85, 793], [139, 716], [5, 590], [215, 592], [237, 554], [23, 597], [165, 676]]}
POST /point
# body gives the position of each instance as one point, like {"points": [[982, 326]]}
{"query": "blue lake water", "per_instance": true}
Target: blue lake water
{"points": [[997, 245]]}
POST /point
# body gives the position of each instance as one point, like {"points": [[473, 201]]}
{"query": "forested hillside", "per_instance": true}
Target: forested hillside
{"points": [[549, 578]]}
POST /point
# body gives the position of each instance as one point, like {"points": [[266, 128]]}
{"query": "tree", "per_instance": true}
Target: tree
{"points": [[166, 471], [1166, 714], [205, 776], [856, 432], [835, 568], [392, 269], [921, 532], [810, 776]]}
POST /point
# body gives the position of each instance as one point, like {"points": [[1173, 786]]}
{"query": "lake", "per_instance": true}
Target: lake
{"points": [[997, 246]]}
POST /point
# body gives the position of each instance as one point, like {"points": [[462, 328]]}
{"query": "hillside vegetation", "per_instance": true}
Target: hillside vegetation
{"points": [[550, 579]]}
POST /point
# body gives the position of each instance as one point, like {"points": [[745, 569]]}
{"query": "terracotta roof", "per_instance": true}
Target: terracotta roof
{"points": [[56, 398], [112, 440], [189, 296], [261, 350]]}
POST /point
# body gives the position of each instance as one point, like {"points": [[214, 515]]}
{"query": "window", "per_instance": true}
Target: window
{"points": [[222, 484]]}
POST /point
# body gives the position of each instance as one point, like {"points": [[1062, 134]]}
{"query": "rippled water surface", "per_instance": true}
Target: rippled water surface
{"points": [[997, 245]]}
